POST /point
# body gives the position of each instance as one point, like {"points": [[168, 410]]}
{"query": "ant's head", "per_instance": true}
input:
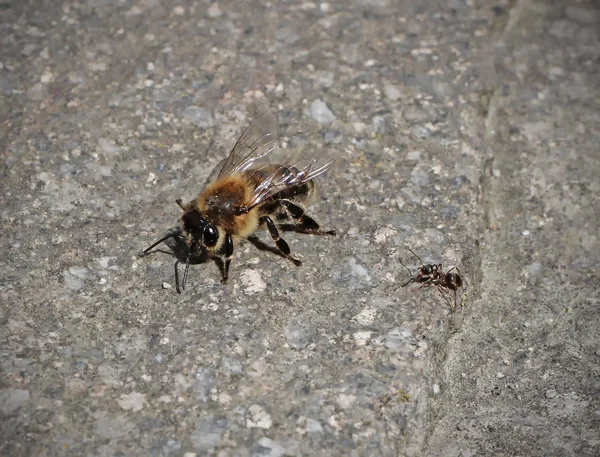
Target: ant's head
{"points": [[426, 270], [200, 229]]}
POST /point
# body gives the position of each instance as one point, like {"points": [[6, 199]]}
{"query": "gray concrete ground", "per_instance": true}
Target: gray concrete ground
{"points": [[467, 131]]}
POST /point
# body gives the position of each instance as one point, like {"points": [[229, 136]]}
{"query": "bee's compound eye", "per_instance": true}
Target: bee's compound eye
{"points": [[211, 235]]}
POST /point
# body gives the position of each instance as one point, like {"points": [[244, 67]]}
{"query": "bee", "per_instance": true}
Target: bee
{"points": [[249, 192], [434, 275]]}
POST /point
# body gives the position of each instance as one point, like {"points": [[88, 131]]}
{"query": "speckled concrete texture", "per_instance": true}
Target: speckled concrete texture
{"points": [[466, 131], [522, 375]]}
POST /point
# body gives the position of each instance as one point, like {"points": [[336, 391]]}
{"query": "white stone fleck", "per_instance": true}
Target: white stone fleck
{"points": [[359, 127], [391, 92], [333, 423], [550, 393], [275, 449], [252, 282], [132, 402], [214, 11], [413, 155], [358, 270], [98, 66], [199, 116], [166, 285], [366, 316], [436, 389], [313, 426], [324, 78], [74, 281], [320, 112], [345, 401], [259, 418], [398, 338], [108, 146], [534, 268], [80, 272], [383, 234], [179, 10], [421, 51], [362, 337], [47, 77]]}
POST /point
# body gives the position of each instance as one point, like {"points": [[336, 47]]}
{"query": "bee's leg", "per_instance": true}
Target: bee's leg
{"points": [[228, 257], [281, 244], [304, 223], [177, 288], [185, 273]]}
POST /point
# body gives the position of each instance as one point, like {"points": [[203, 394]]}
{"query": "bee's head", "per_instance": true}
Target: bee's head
{"points": [[202, 231]]}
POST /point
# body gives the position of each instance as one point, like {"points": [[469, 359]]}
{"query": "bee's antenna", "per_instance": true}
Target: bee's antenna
{"points": [[180, 203], [170, 234]]}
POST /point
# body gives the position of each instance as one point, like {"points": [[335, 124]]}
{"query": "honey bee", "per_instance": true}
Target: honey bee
{"points": [[249, 192]]}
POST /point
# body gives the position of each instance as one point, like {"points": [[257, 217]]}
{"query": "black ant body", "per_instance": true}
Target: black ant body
{"points": [[434, 275]]}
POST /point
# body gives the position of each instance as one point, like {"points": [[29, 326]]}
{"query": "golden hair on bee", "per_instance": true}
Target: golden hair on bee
{"points": [[250, 192]]}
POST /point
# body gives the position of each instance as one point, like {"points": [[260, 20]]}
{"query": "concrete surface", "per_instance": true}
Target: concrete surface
{"points": [[467, 131]]}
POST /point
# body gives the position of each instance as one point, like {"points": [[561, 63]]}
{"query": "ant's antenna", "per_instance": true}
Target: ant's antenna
{"points": [[413, 253]]}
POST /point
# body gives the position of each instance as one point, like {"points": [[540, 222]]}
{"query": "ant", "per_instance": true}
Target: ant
{"points": [[434, 275]]}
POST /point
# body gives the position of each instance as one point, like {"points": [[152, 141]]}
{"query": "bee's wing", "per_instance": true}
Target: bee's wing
{"points": [[256, 142], [293, 171]]}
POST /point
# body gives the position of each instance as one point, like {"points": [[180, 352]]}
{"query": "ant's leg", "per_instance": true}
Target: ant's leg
{"points": [[281, 244], [454, 268], [442, 291], [304, 223], [426, 283], [429, 282], [413, 279], [228, 257]]}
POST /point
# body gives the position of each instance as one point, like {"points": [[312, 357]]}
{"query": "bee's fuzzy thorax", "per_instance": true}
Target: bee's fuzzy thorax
{"points": [[218, 201]]}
